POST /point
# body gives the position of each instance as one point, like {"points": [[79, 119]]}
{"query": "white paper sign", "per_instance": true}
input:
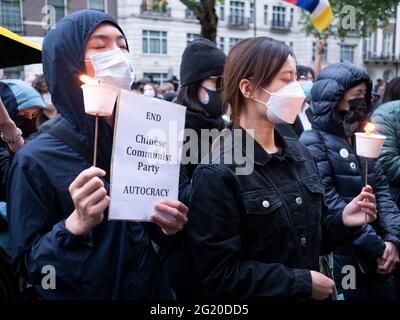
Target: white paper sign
{"points": [[148, 137]]}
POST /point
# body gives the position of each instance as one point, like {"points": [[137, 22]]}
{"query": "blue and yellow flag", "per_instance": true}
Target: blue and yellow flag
{"points": [[320, 11]]}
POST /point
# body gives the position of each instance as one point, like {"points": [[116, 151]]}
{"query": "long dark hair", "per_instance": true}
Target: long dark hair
{"points": [[258, 58], [392, 91], [188, 96]]}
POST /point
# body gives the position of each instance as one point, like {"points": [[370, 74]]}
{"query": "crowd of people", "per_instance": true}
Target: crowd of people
{"points": [[260, 235]]}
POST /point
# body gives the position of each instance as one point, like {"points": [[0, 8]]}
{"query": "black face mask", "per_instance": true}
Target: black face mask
{"points": [[355, 116], [214, 103], [27, 126]]}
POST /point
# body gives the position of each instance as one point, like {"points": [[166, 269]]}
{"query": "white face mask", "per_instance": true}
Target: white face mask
{"points": [[284, 104], [113, 67]]}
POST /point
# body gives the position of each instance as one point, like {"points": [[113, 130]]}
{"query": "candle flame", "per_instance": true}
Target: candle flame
{"points": [[368, 128], [87, 80]]}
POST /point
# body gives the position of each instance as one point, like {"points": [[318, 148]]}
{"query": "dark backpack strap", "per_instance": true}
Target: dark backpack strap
{"points": [[71, 140]]}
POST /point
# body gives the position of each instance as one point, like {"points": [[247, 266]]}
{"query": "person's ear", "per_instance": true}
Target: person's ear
{"points": [[246, 87]]}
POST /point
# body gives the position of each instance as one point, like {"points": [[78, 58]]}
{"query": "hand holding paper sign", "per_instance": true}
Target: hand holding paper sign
{"points": [[148, 136], [90, 200], [171, 216]]}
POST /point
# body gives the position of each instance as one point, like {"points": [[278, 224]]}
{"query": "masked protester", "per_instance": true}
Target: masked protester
{"points": [[58, 203], [20, 105], [23, 103], [201, 93], [342, 101], [259, 233], [201, 83]]}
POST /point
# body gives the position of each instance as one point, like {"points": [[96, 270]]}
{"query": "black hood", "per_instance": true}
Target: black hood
{"points": [[63, 63], [329, 89]]}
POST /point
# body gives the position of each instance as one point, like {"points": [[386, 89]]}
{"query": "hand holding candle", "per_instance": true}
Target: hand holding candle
{"points": [[368, 145]]}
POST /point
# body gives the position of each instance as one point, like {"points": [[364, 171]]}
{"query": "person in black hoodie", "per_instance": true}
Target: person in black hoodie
{"points": [[201, 83], [341, 97], [58, 202]]}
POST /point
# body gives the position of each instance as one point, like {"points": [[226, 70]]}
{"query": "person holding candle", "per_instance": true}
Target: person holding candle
{"points": [[259, 233], [341, 98], [58, 202]]}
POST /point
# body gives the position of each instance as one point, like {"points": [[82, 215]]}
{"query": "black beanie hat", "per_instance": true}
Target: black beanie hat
{"points": [[201, 60]]}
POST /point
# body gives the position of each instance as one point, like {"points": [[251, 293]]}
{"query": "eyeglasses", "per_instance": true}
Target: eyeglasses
{"points": [[219, 82]]}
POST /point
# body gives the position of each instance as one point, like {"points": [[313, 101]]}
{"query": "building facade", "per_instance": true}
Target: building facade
{"points": [[381, 50], [159, 37], [32, 18], [158, 33]]}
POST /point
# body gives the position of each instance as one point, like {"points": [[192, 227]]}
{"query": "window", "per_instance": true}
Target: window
{"points": [[387, 45], [324, 56], [10, 15], [236, 12], [252, 13], [14, 73], [59, 5], [222, 44], [190, 37], [387, 75], [97, 5], [157, 78], [265, 15], [222, 13], [278, 16], [291, 16], [369, 45], [346, 53], [233, 41], [154, 42], [189, 14]]}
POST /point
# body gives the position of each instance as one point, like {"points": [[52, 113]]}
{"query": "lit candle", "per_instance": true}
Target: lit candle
{"points": [[368, 128], [87, 80]]}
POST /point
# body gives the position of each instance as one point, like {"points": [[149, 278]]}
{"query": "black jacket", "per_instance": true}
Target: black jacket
{"points": [[258, 235], [5, 160], [342, 171], [196, 122], [181, 270]]}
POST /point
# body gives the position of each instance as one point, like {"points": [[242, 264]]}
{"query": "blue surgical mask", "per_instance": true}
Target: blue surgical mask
{"points": [[307, 86], [113, 67]]}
